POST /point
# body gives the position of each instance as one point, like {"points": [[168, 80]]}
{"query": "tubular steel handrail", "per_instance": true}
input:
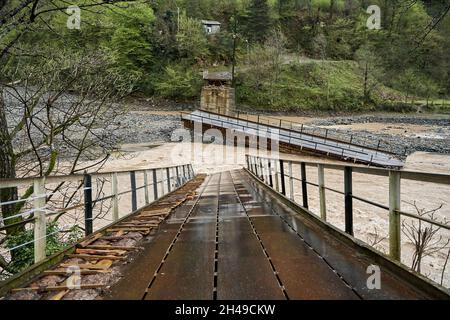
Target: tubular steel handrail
{"points": [[39, 213], [314, 129], [16, 182], [266, 169], [439, 178]]}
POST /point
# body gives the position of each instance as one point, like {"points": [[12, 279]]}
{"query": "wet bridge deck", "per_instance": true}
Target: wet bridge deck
{"points": [[234, 241]]}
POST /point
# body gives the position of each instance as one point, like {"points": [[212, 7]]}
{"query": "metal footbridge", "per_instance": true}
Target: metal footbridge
{"points": [[296, 138], [226, 236], [237, 242]]}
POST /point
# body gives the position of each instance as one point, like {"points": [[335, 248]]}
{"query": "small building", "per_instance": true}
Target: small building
{"points": [[211, 27], [217, 94]]}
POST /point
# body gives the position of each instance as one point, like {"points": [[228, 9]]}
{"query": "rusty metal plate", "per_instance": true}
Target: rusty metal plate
{"points": [[188, 272], [243, 270], [230, 206], [303, 273]]}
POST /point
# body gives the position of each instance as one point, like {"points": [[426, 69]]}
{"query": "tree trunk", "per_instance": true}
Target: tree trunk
{"points": [[332, 3], [366, 79], [7, 171]]}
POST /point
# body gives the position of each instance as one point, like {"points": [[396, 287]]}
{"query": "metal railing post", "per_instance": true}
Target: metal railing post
{"points": [[155, 184], [147, 200], [256, 167], [394, 215], [184, 173], [323, 202], [177, 172], [261, 169], [348, 191], [133, 191], [192, 170], [115, 199], [88, 225], [40, 223], [252, 163], [168, 180], [277, 183], [270, 174], [266, 171], [291, 181], [304, 185], [283, 182]]}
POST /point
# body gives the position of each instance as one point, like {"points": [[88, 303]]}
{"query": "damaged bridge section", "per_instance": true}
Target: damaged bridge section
{"points": [[294, 139]]}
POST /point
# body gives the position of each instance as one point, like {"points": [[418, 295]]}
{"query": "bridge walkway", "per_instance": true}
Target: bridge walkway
{"points": [[236, 241]]}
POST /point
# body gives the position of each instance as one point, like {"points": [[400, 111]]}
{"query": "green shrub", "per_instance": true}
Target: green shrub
{"points": [[23, 257], [179, 82], [312, 86]]}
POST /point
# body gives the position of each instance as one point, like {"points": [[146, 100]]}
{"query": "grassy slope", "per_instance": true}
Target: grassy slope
{"points": [[310, 86]]}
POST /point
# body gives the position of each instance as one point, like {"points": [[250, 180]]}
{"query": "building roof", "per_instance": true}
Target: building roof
{"points": [[211, 22], [220, 76]]}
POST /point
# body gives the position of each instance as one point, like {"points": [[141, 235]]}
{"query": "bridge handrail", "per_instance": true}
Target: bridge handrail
{"points": [[303, 126], [440, 178], [272, 172], [171, 176], [16, 182]]}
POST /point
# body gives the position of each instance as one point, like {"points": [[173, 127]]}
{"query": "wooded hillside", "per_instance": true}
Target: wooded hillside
{"points": [[283, 48]]}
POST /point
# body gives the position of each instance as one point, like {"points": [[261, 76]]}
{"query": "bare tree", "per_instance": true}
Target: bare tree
{"points": [[44, 129], [445, 266], [425, 236], [369, 66], [275, 46], [375, 239], [54, 131]]}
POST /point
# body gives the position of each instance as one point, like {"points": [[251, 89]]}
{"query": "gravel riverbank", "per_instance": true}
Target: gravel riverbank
{"points": [[137, 127], [402, 134], [148, 120]]}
